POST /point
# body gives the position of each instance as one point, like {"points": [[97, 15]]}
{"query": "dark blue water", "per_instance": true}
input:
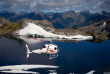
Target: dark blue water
{"points": [[78, 58]]}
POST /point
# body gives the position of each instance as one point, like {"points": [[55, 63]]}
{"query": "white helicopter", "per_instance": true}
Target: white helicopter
{"points": [[50, 49]]}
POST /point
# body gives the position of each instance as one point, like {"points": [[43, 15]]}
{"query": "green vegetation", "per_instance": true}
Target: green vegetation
{"points": [[15, 26], [9, 27], [6, 27]]}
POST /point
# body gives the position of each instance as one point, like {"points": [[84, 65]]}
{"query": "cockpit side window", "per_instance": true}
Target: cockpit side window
{"points": [[55, 48], [44, 46]]}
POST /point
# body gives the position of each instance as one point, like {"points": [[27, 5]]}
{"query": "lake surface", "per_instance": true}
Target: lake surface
{"points": [[77, 58]]}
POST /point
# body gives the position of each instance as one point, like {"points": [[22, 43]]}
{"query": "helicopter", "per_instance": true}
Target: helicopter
{"points": [[50, 49]]}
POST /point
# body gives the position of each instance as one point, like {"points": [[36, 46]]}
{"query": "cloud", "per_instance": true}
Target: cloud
{"points": [[54, 5]]}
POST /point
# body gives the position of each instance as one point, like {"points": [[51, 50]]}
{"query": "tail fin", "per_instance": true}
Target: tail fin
{"points": [[28, 51]]}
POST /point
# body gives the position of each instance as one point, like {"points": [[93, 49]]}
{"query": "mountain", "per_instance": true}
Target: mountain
{"points": [[99, 30], [41, 28], [70, 19]]}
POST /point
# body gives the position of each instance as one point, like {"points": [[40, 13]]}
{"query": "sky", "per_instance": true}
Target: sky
{"points": [[54, 5]]}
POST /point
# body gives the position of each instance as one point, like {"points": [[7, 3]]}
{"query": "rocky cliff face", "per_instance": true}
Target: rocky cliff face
{"points": [[2, 21], [100, 30]]}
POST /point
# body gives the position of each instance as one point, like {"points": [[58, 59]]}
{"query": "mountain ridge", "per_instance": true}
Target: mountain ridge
{"points": [[68, 19]]}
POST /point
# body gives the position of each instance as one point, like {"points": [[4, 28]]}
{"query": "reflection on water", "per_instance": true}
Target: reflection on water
{"points": [[78, 58], [38, 40], [52, 71], [91, 72], [23, 68]]}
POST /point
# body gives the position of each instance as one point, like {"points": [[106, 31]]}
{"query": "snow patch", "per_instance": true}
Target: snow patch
{"points": [[104, 23], [35, 29]]}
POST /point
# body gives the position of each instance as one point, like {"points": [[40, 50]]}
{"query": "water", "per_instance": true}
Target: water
{"points": [[77, 58]]}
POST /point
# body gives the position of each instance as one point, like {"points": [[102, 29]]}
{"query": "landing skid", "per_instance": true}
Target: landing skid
{"points": [[52, 56]]}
